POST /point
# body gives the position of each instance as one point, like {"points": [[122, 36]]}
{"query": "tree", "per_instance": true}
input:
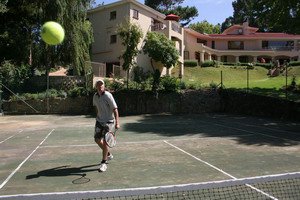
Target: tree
{"points": [[187, 14], [161, 49], [71, 14], [3, 6], [227, 23], [131, 35], [267, 15], [15, 34], [205, 27], [20, 39]]}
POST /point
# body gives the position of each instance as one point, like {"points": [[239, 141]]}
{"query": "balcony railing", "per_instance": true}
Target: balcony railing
{"points": [[158, 27], [176, 28], [280, 48]]}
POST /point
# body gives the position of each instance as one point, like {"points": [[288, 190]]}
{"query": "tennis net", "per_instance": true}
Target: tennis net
{"points": [[279, 186]]}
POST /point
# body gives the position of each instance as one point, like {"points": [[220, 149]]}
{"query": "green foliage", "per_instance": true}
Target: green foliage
{"points": [[190, 63], [205, 27], [79, 35], [77, 92], [265, 65], [294, 63], [140, 77], [211, 63], [250, 66], [268, 15], [156, 80], [213, 85], [161, 49], [20, 39], [16, 35], [187, 14], [3, 6], [52, 93], [14, 76], [170, 83], [115, 85], [131, 35], [208, 63]]}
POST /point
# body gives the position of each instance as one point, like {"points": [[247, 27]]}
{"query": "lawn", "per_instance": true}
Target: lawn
{"points": [[236, 77]]}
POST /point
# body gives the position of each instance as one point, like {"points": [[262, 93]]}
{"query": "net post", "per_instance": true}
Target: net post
{"points": [[1, 111]]}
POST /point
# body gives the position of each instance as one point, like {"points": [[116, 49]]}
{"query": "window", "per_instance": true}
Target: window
{"points": [[265, 44], [201, 41], [113, 39], [135, 14], [235, 45], [244, 59], [186, 55], [213, 44], [278, 45], [113, 15]]}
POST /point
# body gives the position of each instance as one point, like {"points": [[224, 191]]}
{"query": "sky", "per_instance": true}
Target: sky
{"points": [[213, 11]]}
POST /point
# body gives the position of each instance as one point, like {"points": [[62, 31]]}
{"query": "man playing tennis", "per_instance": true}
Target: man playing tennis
{"points": [[107, 120]]}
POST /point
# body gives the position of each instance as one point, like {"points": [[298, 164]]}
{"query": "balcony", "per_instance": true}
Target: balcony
{"points": [[281, 48], [158, 27]]}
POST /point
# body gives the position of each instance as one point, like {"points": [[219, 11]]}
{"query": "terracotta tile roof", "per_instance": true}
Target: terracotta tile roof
{"points": [[257, 35]]}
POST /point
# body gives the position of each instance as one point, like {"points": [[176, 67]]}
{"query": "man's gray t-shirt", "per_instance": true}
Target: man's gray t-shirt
{"points": [[105, 104]]}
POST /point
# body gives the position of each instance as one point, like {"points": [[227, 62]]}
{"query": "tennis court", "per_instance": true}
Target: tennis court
{"points": [[48, 155]]}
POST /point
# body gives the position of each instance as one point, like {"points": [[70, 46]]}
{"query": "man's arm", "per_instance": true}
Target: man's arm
{"points": [[116, 113]]}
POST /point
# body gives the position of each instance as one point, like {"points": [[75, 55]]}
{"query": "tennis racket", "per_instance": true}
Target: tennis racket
{"points": [[110, 139]]}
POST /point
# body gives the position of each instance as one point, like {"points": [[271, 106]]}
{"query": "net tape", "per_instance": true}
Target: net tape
{"points": [[279, 186]]}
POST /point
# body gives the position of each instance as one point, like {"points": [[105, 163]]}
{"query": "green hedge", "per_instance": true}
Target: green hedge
{"points": [[294, 63], [190, 63]]}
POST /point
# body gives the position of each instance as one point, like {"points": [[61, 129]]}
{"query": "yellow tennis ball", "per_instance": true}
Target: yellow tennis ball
{"points": [[52, 33]]}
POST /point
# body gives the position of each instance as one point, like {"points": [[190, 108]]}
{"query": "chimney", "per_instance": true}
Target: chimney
{"points": [[245, 27]]}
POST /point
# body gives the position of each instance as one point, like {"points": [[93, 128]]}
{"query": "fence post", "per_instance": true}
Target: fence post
{"points": [[286, 81], [247, 79], [221, 79]]}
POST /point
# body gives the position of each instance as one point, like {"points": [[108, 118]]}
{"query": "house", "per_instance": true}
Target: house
{"points": [[107, 47], [241, 43], [238, 43]]}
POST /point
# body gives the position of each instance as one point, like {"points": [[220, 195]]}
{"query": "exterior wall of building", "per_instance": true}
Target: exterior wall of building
{"points": [[185, 39], [104, 27], [252, 50], [103, 51]]}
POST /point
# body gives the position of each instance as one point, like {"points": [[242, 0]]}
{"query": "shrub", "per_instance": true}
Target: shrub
{"points": [[228, 63], [294, 63], [265, 65], [190, 63], [116, 85], [213, 85], [13, 76], [170, 83], [77, 92], [209, 63], [140, 77], [250, 66]]}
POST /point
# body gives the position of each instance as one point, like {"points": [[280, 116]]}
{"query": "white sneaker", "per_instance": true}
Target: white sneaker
{"points": [[102, 167], [110, 157]]}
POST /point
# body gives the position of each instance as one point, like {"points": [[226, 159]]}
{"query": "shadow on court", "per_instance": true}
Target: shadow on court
{"points": [[245, 130], [64, 171]]}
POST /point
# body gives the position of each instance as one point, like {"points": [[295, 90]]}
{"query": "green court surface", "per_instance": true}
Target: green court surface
{"points": [[53, 153]]}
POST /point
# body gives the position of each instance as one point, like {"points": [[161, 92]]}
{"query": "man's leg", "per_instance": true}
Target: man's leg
{"points": [[104, 151]]}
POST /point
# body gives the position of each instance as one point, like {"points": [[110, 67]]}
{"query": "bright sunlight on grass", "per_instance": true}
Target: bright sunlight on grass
{"points": [[236, 77]]}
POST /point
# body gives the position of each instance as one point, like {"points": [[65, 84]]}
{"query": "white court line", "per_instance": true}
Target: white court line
{"points": [[268, 128], [139, 142], [239, 129], [11, 136], [220, 170], [20, 165]]}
